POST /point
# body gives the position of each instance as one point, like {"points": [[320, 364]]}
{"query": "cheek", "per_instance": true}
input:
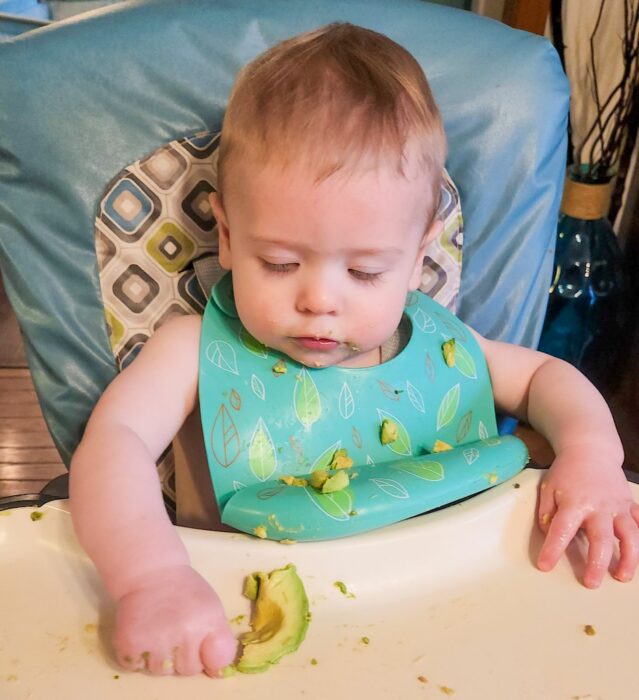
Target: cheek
{"points": [[380, 313], [257, 310]]}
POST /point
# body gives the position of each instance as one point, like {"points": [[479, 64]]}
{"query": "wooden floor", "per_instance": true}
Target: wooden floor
{"points": [[28, 458]]}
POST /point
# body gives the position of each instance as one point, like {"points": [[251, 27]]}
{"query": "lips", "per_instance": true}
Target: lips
{"points": [[312, 343]]}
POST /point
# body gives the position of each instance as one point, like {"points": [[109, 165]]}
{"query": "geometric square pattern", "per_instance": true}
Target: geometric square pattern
{"points": [[164, 167], [170, 247], [441, 271], [130, 208], [154, 220], [135, 288], [196, 205]]}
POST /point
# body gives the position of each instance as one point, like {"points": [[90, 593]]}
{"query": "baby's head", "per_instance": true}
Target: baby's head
{"points": [[329, 173]]}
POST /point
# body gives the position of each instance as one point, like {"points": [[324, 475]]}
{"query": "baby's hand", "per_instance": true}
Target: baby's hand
{"points": [[173, 622], [580, 493]]}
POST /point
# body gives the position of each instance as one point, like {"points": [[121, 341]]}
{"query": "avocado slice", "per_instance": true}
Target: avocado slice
{"points": [[279, 621]]}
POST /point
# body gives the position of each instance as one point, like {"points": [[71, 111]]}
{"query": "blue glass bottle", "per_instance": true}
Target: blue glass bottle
{"points": [[583, 312]]}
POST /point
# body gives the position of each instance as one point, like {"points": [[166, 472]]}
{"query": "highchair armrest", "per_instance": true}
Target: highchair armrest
{"points": [[55, 490]]}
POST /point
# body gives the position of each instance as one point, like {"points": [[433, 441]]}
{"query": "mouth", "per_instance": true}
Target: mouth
{"points": [[313, 343]]}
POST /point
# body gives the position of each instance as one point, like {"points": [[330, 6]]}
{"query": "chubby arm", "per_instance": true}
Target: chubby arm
{"points": [[585, 488], [116, 500], [168, 618]]}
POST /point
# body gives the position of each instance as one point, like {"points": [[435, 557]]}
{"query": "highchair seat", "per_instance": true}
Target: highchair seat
{"points": [[165, 70]]}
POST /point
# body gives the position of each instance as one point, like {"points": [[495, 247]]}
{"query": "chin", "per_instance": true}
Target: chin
{"points": [[317, 362]]}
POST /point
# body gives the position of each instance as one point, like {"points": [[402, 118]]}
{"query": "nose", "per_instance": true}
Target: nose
{"points": [[318, 294]]}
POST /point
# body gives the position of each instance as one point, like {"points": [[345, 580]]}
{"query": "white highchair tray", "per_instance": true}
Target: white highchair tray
{"points": [[450, 602]]}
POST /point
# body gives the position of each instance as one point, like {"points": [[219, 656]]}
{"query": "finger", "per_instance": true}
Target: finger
{"points": [[131, 661], [599, 532], [562, 528], [187, 659], [634, 511], [625, 529], [547, 506], [161, 664], [217, 651]]}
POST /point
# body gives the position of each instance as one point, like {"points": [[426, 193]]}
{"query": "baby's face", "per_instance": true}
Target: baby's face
{"points": [[321, 271]]}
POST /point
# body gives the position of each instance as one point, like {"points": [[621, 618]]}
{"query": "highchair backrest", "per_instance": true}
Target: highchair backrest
{"points": [[83, 99]]}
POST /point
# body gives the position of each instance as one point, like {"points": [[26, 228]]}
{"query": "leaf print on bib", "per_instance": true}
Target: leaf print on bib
{"points": [[471, 455], [238, 486], [262, 455], [448, 407], [415, 397], [337, 505], [463, 427], [430, 367], [485, 437], [424, 322], [252, 344], [411, 299], [426, 470], [222, 355], [346, 403], [464, 362], [455, 326], [391, 487], [271, 492], [326, 457], [258, 387], [356, 438], [389, 391], [402, 445], [225, 440], [306, 399], [235, 400]]}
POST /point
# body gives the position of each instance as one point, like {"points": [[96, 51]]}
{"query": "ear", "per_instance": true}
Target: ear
{"points": [[222, 229], [429, 236]]}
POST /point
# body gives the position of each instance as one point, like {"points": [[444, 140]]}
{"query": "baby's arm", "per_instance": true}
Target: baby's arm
{"points": [[168, 618], [585, 488]]}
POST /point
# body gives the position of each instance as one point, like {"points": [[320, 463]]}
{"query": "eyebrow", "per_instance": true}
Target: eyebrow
{"points": [[351, 251]]}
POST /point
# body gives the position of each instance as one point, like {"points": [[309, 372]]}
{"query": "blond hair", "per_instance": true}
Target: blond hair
{"points": [[333, 99]]}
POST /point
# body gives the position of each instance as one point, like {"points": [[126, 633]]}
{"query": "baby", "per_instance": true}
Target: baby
{"points": [[330, 165]]}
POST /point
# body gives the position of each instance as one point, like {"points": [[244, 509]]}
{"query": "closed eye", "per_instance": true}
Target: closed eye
{"points": [[279, 267], [365, 276]]}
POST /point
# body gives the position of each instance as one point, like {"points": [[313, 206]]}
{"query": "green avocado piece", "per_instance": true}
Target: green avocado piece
{"points": [[279, 621], [448, 350], [251, 585], [337, 482], [389, 431]]}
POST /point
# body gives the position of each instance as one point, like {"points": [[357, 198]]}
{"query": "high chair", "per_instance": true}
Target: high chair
{"points": [[107, 136]]}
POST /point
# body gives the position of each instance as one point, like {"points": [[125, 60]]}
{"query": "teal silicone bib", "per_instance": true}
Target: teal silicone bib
{"points": [[265, 416]]}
